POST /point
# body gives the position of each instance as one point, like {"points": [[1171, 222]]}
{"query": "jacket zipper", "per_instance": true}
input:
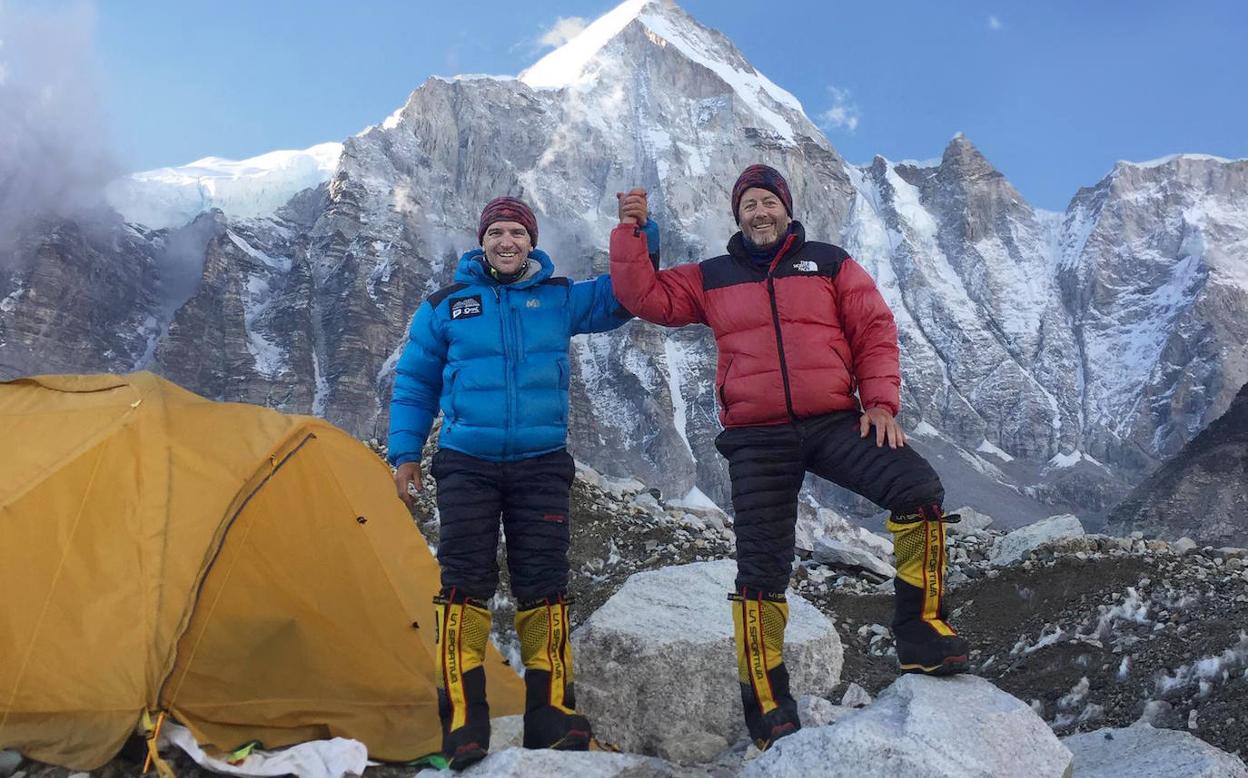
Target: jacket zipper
{"points": [[775, 320], [504, 319]]}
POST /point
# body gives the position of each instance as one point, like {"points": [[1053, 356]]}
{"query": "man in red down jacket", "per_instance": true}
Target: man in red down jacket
{"points": [[808, 365]]}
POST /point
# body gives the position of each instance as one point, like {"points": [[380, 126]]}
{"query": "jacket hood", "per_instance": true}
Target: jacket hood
{"points": [[472, 269]]}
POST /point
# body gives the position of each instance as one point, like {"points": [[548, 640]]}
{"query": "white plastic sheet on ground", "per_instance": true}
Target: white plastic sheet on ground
{"points": [[316, 759]]}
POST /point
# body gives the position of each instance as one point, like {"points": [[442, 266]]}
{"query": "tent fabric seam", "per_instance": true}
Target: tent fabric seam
{"points": [[216, 547]]}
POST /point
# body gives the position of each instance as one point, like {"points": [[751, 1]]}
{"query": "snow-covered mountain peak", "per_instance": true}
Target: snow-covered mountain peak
{"points": [[1173, 158], [566, 65], [963, 155], [580, 60], [715, 52], [606, 51], [1195, 171], [257, 186]]}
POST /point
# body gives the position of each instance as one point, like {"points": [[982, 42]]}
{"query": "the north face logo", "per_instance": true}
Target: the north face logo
{"points": [[465, 307], [806, 266]]}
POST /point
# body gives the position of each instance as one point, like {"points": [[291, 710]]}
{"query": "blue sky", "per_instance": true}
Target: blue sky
{"points": [[1052, 92]]}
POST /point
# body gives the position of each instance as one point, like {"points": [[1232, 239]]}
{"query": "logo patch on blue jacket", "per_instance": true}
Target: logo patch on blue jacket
{"points": [[465, 307]]}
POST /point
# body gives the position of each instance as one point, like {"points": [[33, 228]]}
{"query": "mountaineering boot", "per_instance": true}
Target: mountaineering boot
{"points": [[925, 641], [550, 717], [463, 629], [758, 621]]}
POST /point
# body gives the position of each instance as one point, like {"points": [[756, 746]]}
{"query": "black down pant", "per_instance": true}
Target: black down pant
{"points": [[767, 465], [531, 496]]}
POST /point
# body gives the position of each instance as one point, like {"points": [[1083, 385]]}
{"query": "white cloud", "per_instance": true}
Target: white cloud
{"points": [[994, 23], [563, 30], [55, 154], [843, 114]]}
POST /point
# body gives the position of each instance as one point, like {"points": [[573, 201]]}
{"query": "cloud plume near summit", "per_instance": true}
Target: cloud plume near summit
{"points": [[55, 157]]}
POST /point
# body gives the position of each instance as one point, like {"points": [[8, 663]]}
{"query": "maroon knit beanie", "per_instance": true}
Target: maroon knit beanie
{"points": [[507, 209], [763, 177]]}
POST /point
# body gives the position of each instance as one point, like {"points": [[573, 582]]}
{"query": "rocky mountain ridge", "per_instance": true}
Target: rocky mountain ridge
{"points": [[1050, 360], [1202, 491]]}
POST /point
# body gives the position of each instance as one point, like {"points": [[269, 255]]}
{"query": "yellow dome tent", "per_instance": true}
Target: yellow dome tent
{"points": [[249, 573]]}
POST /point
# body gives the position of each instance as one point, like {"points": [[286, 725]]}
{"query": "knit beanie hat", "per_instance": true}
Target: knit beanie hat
{"points": [[763, 177], [507, 209]]}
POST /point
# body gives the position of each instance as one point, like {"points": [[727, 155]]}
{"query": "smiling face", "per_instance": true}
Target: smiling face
{"points": [[762, 216], [506, 246]]}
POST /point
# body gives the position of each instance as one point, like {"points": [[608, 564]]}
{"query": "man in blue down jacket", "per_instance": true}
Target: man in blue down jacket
{"points": [[491, 352]]}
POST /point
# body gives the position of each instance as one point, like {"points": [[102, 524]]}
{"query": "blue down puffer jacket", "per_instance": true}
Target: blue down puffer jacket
{"points": [[494, 358]]}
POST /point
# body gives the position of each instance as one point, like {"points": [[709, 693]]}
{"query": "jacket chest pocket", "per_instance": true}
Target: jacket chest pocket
{"points": [[537, 324]]}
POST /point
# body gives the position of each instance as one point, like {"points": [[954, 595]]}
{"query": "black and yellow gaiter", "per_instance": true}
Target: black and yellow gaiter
{"points": [[550, 717], [759, 620], [463, 630]]}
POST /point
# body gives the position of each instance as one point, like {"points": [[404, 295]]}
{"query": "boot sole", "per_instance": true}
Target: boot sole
{"points": [[597, 745], [785, 731], [466, 757], [576, 740], [950, 666]]}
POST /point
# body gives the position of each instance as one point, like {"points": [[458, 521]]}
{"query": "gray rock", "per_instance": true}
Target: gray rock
{"points": [[656, 669], [506, 732], [972, 521], [9, 760], [817, 711], [1185, 545], [835, 552], [1013, 547], [814, 522], [647, 502], [961, 727], [524, 763], [1159, 713], [855, 697], [1143, 752]]}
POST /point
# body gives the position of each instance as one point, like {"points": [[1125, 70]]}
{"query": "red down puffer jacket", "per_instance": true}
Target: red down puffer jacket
{"points": [[794, 342]]}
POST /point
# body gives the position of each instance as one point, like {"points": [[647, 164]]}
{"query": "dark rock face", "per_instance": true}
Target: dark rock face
{"points": [[77, 295], [1201, 492]]}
